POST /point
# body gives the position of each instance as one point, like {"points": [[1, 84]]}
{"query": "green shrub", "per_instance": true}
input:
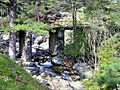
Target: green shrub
{"points": [[109, 76], [79, 48], [14, 77], [108, 52], [90, 85]]}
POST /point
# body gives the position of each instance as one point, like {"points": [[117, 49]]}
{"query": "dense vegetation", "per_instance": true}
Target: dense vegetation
{"points": [[15, 77], [108, 75]]}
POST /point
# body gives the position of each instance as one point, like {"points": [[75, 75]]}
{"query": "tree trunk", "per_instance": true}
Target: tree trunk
{"points": [[27, 49], [12, 40], [74, 10], [75, 17]]}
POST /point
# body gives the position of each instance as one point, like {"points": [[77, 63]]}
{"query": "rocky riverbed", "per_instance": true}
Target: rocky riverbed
{"points": [[54, 79], [56, 72], [56, 76]]}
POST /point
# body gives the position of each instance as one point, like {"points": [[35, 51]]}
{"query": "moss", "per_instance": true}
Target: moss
{"points": [[14, 77]]}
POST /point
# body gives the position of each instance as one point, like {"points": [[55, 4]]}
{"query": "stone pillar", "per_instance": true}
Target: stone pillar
{"points": [[60, 40], [56, 42], [21, 42], [27, 49], [52, 43]]}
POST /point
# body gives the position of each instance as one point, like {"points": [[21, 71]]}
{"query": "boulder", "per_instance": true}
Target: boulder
{"points": [[58, 59], [40, 39], [34, 36], [45, 45], [76, 85], [41, 42], [59, 84], [41, 55], [5, 37], [83, 69], [63, 14]]}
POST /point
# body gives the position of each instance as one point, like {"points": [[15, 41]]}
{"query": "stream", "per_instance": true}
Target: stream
{"points": [[54, 77]]}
